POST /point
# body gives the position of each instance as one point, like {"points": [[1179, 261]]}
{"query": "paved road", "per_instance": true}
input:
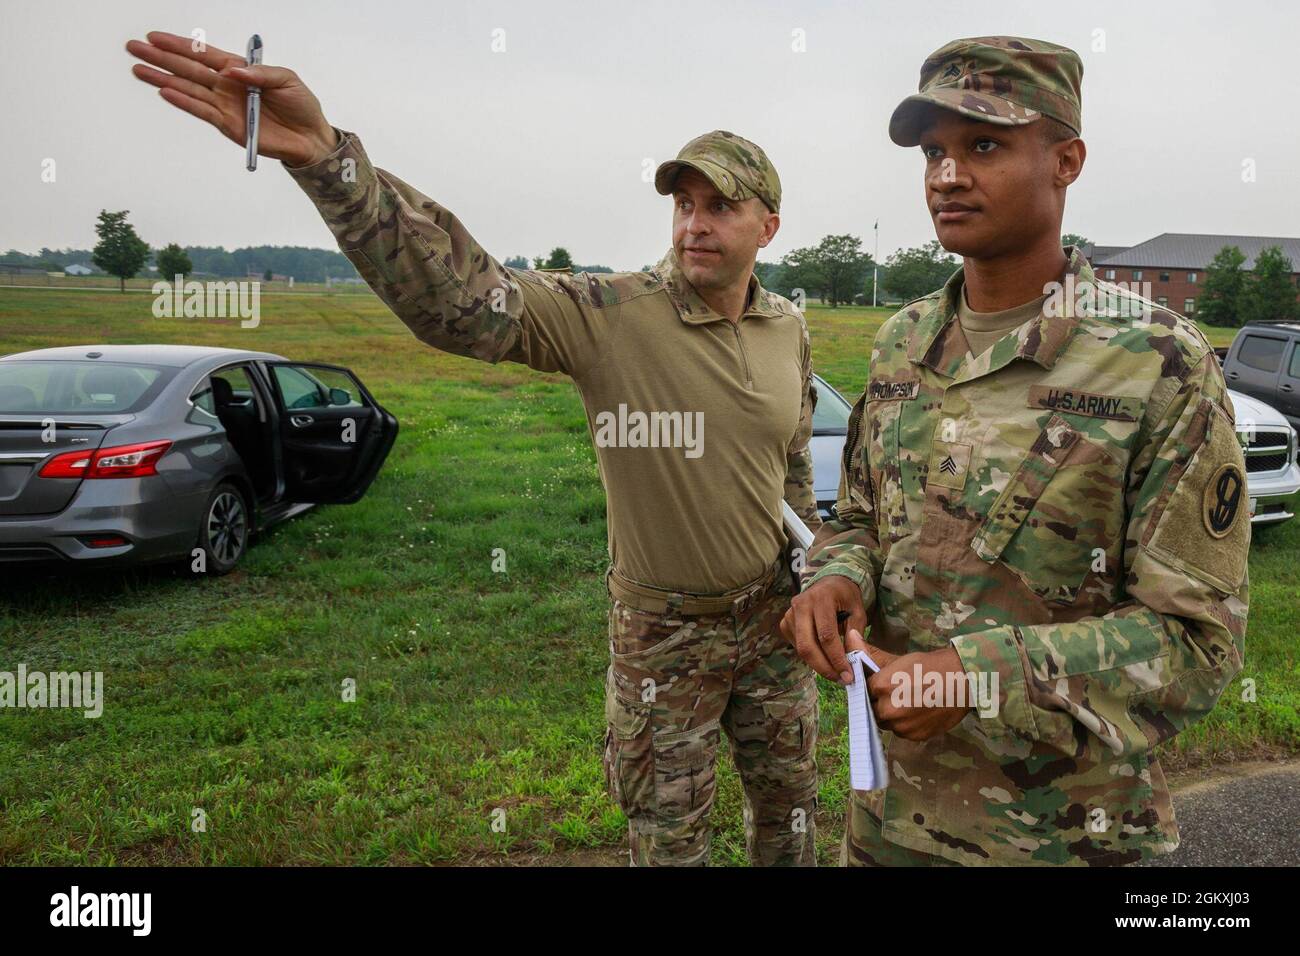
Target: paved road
{"points": [[1243, 819]]}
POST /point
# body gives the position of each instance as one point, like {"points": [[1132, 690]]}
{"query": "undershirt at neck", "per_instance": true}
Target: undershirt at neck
{"points": [[982, 329]]}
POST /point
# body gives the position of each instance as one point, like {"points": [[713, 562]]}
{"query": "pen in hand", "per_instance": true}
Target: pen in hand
{"points": [[253, 106]]}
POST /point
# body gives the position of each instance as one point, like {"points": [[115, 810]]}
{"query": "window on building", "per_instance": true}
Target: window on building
{"points": [[1110, 274], [1189, 306], [1162, 301], [1191, 277], [1137, 275], [1262, 352], [1164, 277]]}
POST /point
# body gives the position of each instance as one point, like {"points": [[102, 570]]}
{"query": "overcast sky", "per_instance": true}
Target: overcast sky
{"points": [[544, 144]]}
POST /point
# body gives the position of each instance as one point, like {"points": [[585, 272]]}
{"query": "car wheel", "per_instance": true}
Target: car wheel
{"points": [[223, 535]]}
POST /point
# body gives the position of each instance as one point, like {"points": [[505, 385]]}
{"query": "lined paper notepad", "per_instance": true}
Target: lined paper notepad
{"points": [[867, 769]]}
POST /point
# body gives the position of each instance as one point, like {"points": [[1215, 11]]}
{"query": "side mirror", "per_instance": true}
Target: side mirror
{"points": [[340, 396]]}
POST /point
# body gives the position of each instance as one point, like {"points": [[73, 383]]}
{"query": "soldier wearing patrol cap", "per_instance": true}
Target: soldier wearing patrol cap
{"points": [[1041, 510], [698, 578]]}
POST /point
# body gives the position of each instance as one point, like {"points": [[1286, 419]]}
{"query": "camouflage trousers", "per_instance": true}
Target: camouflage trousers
{"points": [[673, 683]]}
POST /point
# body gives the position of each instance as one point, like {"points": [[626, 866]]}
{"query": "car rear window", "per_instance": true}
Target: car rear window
{"points": [[1261, 352], [79, 388]]}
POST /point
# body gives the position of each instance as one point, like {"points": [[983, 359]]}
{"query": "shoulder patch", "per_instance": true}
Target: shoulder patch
{"points": [[1221, 502]]}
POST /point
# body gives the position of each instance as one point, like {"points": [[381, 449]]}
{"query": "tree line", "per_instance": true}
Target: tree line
{"points": [[837, 270], [122, 253], [1234, 296]]}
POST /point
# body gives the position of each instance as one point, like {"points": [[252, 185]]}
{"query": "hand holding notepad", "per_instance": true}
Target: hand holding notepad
{"points": [[867, 768]]}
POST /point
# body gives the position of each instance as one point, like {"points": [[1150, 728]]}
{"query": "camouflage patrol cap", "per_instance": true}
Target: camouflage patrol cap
{"points": [[737, 168], [1009, 81]]}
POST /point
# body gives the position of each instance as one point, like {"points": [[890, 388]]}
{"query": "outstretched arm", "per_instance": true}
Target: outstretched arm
{"points": [[413, 252]]}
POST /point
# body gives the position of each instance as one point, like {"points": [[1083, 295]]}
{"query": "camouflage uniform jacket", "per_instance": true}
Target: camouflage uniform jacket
{"points": [[638, 342], [1068, 510]]}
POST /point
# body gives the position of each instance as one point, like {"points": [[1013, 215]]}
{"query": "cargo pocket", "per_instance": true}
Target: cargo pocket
{"points": [[684, 773], [881, 445], [1062, 504], [791, 719], [629, 759]]}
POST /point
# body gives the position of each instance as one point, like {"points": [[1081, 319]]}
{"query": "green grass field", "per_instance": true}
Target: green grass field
{"points": [[476, 691]]}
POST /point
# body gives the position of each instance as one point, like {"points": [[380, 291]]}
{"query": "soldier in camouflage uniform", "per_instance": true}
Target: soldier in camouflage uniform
{"points": [[1046, 490], [698, 578]]}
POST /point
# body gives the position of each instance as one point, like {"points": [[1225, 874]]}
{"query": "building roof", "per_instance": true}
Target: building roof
{"points": [[1096, 253], [1188, 250]]}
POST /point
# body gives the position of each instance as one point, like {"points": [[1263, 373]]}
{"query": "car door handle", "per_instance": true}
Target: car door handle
{"points": [[1234, 375], [301, 421], [1286, 388]]}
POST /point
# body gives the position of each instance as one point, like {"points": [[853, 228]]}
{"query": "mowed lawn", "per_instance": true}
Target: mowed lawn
{"points": [[478, 694]]}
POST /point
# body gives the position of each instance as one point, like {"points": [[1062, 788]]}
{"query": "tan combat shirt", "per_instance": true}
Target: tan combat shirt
{"points": [[654, 365]]}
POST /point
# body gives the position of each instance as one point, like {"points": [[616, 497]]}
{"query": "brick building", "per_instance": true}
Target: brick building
{"points": [[1175, 263]]}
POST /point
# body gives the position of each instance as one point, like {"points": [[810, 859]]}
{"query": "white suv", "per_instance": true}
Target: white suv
{"points": [[1272, 475]]}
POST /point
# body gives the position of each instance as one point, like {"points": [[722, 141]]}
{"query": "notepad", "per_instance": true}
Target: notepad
{"points": [[867, 768]]}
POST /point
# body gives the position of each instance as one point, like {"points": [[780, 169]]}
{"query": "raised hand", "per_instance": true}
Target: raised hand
{"points": [[212, 85]]}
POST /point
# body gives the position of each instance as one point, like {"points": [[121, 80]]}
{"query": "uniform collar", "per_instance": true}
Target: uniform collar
{"points": [[693, 310], [936, 344]]}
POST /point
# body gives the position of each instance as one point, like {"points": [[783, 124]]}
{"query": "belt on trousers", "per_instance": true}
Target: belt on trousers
{"points": [[661, 601]]}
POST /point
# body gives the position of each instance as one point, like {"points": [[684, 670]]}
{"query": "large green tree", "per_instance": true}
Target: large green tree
{"points": [[802, 269], [1074, 239], [1270, 292], [835, 270], [558, 259], [1220, 303], [119, 252], [912, 273], [172, 261], [845, 267]]}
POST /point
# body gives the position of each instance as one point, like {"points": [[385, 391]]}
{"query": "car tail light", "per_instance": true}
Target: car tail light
{"points": [[104, 541], [121, 461]]}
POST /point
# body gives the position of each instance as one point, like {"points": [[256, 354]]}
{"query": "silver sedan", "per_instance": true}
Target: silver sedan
{"points": [[127, 454]]}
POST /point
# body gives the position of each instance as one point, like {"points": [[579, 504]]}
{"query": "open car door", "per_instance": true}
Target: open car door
{"points": [[333, 435]]}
